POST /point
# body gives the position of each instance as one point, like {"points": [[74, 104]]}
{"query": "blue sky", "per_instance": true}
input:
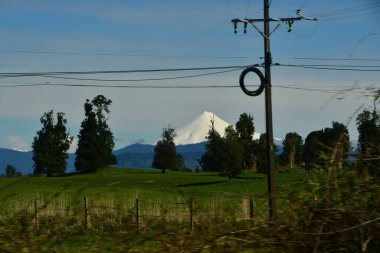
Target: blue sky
{"points": [[122, 35]]}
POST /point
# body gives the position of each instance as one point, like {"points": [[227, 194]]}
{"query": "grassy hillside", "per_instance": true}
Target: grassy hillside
{"points": [[188, 212], [120, 187], [120, 182]]}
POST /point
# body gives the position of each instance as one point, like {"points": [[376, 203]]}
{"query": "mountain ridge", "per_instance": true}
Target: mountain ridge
{"points": [[197, 130], [190, 143]]}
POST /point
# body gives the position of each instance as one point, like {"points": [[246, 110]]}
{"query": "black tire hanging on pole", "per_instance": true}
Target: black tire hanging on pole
{"points": [[262, 82]]}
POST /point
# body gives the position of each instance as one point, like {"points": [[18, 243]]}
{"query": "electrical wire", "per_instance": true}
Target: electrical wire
{"points": [[125, 55], [351, 90], [326, 67], [328, 59], [339, 65], [351, 16], [25, 74], [344, 10], [143, 79], [48, 84], [348, 12], [319, 89], [183, 56]]}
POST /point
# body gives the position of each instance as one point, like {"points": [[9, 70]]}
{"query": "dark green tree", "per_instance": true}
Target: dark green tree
{"points": [[165, 153], [212, 159], [50, 146], [327, 148], [292, 149], [260, 152], [368, 125], [95, 139], [313, 155], [246, 129], [10, 171], [337, 144], [232, 162]]}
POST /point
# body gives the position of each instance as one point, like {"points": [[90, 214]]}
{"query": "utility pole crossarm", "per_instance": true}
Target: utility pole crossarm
{"points": [[256, 20], [252, 21]]}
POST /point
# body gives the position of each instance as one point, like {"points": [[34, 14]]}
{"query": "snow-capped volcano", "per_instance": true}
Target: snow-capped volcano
{"points": [[197, 130]]}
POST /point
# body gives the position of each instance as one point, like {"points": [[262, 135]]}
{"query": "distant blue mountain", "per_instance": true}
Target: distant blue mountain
{"points": [[23, 161], [132, 156], [141, 155], [135, 148], [191, 148]]}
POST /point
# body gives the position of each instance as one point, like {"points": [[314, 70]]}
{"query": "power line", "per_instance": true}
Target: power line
{"points": [[326, 67], [337, 65], [328, 59], [25, 74], [344, 10], [320, 89], [117, 86], [123, 55], [183, 56], [346, 13], [350, 16], [143, 79], [335, 91]]}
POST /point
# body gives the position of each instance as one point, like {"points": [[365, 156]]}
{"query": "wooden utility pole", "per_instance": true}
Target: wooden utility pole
{"points": [[266, 83], [268, 114]]}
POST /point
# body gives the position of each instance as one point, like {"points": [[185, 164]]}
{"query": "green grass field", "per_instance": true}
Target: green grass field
{"points": [[120, 185], [186, 212], [128, 181], [48, 207]]}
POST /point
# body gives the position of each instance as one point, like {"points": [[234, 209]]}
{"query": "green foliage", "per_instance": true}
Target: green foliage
{"points": [[165, 153], [327, 148], [212, 159], [50, 146], [95, 139], [260, 149], [292, 149], [223, 155], [368, 125], [338, 212], [246, 129], [10, 171], [232, 163]]}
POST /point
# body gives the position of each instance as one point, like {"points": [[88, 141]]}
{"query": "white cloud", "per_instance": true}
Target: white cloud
{"points": [[73, 146], [17, 143]]}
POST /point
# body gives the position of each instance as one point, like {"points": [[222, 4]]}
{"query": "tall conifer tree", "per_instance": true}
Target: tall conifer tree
{"points": [[246, 129], [165, 154], [212, 159], [95, 139], [50, 146]]}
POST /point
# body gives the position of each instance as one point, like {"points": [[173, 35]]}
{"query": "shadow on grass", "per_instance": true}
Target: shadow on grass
{"points": [[202, 183], [75, 173], [240, 177]]}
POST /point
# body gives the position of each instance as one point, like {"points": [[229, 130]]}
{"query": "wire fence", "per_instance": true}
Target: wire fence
{"points": [[136, 213]]}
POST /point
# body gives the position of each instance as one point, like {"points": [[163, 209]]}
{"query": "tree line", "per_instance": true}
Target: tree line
{"points": [[95, 141], [229, 155], [321, 150]]}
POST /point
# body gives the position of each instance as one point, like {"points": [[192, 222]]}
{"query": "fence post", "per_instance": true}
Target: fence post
{"points": [[85, 213], [36, 221], [137, 207], [191, 213], [251, 208]]}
